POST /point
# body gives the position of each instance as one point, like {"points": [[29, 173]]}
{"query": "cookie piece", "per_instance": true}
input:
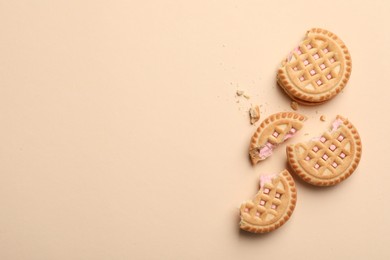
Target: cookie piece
{"points": [[330, 158], [274, 130], [294, 105], [254, 114], [317, 70], [272, 205]]}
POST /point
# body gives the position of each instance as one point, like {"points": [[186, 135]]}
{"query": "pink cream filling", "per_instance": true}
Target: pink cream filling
{"points": [[266, 179], [290, 55], [335, 125], [266, 150]]}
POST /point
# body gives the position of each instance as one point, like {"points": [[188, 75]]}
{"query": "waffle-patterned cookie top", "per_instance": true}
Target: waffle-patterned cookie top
{"points": [[273, 131], [330, 158], [272, 205], [317, 69]]}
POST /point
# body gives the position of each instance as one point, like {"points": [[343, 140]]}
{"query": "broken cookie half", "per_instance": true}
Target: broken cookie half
{"points": [[273, 131], [330, 158], [272, 206]]}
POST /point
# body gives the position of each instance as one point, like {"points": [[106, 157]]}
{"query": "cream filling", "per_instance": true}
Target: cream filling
{"points": [[266, 179], [291, 54], [335, 125], [267, 149]]}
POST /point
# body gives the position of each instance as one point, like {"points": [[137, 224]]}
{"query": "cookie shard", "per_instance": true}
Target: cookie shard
{"points": [[272, 206], [317, 69], [273, 131], [329, 159], [254, 114]]}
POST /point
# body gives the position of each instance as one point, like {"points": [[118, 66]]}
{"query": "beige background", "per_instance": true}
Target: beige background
{"points": [[121, 137]]}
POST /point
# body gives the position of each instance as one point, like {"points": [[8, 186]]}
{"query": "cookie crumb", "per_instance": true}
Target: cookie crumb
{"points": [[239, 93], [254, 114], [246, 96], [322, 118], [294, 105]]}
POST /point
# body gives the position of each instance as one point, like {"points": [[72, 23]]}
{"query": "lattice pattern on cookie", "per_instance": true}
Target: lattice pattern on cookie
{"points": [[272, 205], [281, 132], [327, 154], [317, 70], [329, 159], [314, 64], [272, 131], [265, 206]]}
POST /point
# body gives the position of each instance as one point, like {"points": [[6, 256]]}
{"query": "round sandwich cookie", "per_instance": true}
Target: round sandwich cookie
{"points": [[330, 158], [272, 206], [317, 69], [273, 131]]}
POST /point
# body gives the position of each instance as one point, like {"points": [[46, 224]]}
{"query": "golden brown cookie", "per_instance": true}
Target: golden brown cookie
{"points": [[317, 70], [330, 158], [254, 114], [274, 130], [272, 205]]}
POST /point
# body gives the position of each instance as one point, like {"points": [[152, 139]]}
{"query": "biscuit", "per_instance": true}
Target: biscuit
{"points": [[330, 158], [254, 114], [274, 130], [317, 70], [272, 205]]}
